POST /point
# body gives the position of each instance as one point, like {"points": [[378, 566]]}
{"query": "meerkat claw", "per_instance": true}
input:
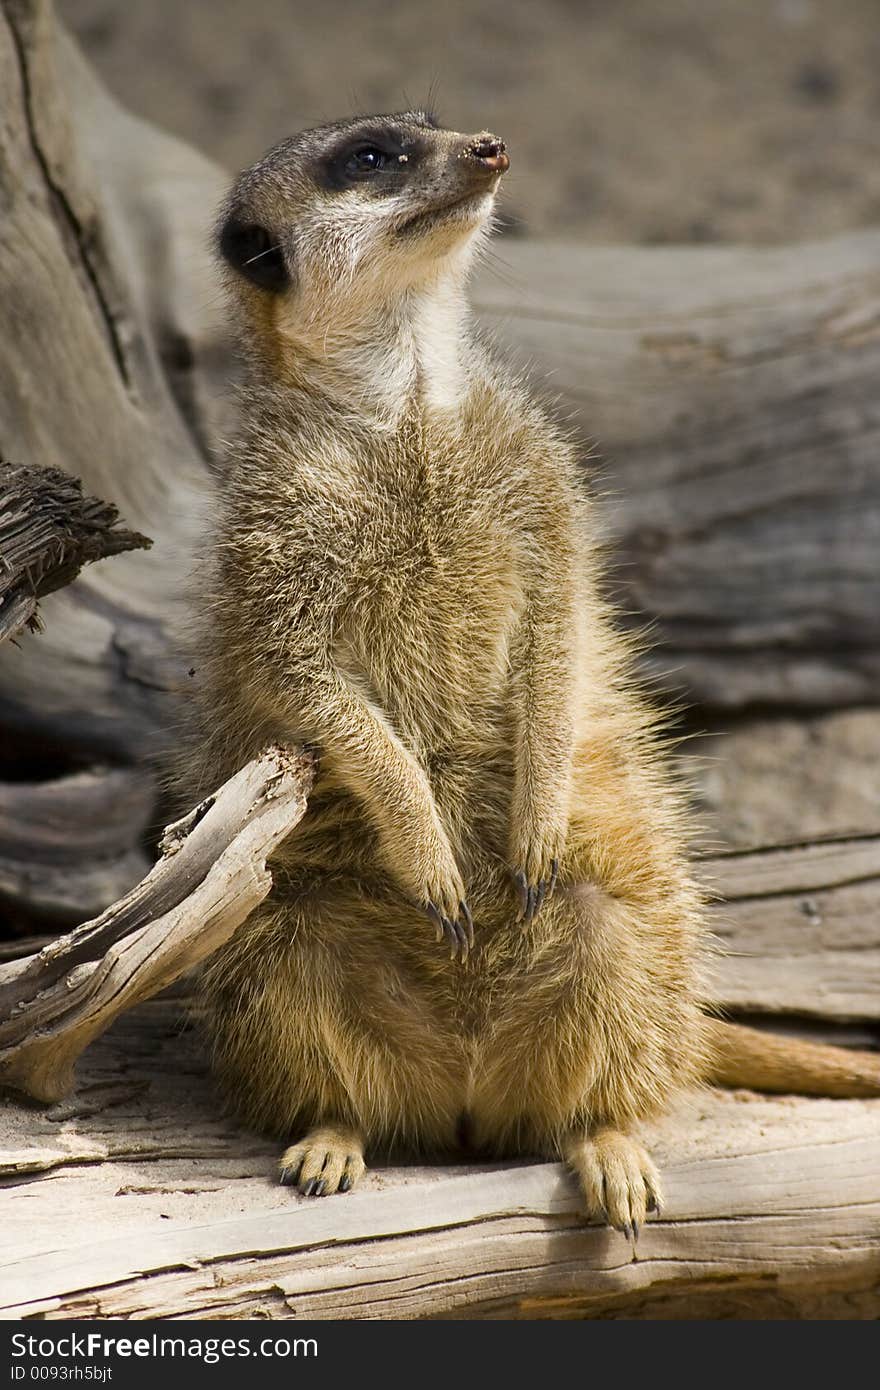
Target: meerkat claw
{"points": [[451, 934], [532, 896], [458, 941], [459, 934], [327, 1160], [529, 900], [433, 913], [465, 912]]}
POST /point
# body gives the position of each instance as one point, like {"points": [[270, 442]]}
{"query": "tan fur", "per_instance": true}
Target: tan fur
{"points": [[402, 571]]}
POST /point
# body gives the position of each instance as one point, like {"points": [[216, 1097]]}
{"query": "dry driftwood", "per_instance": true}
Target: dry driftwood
{"points": [[86, 378], [799, 930], [71, 845], [785, 780], [773, 1210], [68, 845], [732, 393], [48, 530], [212, 873]]}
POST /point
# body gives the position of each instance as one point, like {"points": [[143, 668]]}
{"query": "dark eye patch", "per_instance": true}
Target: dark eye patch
{"points": [[377, 157], [254, 253]]}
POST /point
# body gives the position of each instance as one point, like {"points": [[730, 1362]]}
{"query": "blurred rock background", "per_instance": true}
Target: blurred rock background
{"points": [[636, 121]]}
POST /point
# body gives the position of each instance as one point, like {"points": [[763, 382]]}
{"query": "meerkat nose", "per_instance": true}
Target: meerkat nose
{"points": [[491, 153]]}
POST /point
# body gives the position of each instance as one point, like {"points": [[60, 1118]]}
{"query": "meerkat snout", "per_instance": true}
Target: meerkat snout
{"points": [[491, 153]]}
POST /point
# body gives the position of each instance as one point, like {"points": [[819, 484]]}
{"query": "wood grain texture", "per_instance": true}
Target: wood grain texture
{"points": [[211, 875], [170, 1211], [784, 779], [84, 385], [71, 845], [729, 393], [799, 929]]}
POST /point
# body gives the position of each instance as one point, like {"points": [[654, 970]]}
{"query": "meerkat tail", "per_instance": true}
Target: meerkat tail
{"points": [[767, 1062]]}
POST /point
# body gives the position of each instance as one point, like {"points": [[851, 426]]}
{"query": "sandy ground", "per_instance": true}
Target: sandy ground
{"points": [[627, 120]]}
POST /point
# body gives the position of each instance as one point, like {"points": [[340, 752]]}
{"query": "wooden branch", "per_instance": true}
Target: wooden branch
{"points": [[212, 874], [68, 845], [49, 529]]}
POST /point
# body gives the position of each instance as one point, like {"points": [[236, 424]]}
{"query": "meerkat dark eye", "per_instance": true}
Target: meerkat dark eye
{"points": [[368, 160], [255, 254]]}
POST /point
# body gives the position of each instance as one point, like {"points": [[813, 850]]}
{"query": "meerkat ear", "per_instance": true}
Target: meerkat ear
{"points": [[254, 253]]}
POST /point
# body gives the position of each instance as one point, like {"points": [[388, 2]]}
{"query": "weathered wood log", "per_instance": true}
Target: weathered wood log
{"points": [[85, 381], [772, 1210], [211, 875], [49, 529], [68, 845], [732, 396], [71, 845], [785, 780], [799, 930]]}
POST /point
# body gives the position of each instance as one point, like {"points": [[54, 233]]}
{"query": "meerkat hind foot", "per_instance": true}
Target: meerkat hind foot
{"points": [[619, 1182], [329, 1159]]}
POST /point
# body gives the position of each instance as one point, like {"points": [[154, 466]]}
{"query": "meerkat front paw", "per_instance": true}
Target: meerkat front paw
{"points": [[619, 1182], [535, 872], [441, 896], [327, 1160], [421, 859]]}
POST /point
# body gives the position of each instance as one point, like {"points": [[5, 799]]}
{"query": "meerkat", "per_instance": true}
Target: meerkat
{"points": [[485, 926]]}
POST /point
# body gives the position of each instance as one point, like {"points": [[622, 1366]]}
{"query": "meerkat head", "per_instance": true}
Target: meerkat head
{"points": [[355, 217]]}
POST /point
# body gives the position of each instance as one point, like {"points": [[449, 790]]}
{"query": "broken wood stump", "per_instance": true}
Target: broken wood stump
{"points": [[49, 529], [211, 874]]}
